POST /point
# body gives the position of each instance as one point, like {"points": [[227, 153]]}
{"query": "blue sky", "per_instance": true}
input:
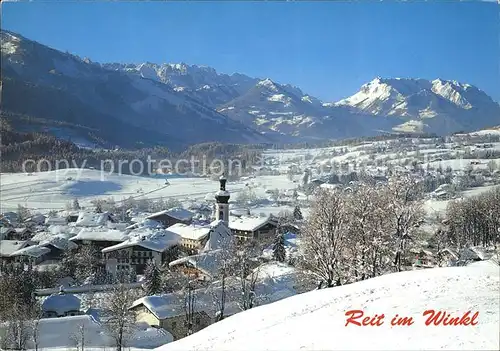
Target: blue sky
{"points": [[328, 49]]}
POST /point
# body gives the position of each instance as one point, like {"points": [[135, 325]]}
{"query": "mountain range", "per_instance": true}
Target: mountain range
{"points": [[175, 105]]}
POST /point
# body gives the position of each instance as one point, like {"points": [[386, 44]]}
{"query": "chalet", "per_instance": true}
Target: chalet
{"points": [[101, 238], [58, 246], [139, 249], [61, 305], [193, 237], [167, 312], [31, 255], [245, 228], [172, 216], [21, 234]]}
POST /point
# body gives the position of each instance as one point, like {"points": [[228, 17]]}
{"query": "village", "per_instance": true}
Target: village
{"points": [[181, 268]]}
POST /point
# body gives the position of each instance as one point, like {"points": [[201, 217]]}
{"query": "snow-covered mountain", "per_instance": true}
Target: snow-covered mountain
{"points": [[179, 104], [317, 320], [117, 107], [439, 105], [202, 82]]}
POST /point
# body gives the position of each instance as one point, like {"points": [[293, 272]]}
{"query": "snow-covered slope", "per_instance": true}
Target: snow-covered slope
{"points": [[317, 320]]}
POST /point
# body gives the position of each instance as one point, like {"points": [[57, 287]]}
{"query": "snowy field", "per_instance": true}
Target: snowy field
{"points": [[317, 320], [54, 190]]}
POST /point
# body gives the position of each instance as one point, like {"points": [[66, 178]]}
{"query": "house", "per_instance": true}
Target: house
{"points": [[36, 219], [31, 255], [8, 247], [167, 312], [193, 237], [140, 247], [101, 238], [61, 305], [172, 216], [21, 234], [58, 245], [251, 227]]}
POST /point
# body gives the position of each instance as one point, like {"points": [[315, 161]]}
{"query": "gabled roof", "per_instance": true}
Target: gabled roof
{"points": [[59, 242], [176, 212], [31, 251], [220, 237], [152, 239]]}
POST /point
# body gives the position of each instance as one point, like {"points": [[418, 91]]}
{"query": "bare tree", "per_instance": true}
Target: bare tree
{"points": [[117, 318], [324, 238], [405, 212], [189, 308]]}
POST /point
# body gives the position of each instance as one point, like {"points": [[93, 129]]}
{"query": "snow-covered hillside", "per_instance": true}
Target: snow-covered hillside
{"points": [[55, 189], [317, 320]]}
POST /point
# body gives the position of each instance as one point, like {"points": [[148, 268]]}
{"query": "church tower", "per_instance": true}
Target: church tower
{"points": [[222, 202]]}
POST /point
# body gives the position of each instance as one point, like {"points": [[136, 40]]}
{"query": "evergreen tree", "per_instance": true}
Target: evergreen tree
{"points": [[76, 205], [297, 214], [279, 252], [152, 277]]}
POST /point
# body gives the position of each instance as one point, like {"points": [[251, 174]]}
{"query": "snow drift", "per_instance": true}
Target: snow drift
{"points": [[317, 320]]}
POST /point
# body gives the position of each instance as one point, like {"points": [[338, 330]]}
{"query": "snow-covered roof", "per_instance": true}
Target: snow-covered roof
{"points": [[145, 223], [32, 251], [220, 237], [191, 232], [7, 247], [100, 234], [59, 242], [61, 303], [152, 239], [90, 219], [176, 212], [247, 223]]}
